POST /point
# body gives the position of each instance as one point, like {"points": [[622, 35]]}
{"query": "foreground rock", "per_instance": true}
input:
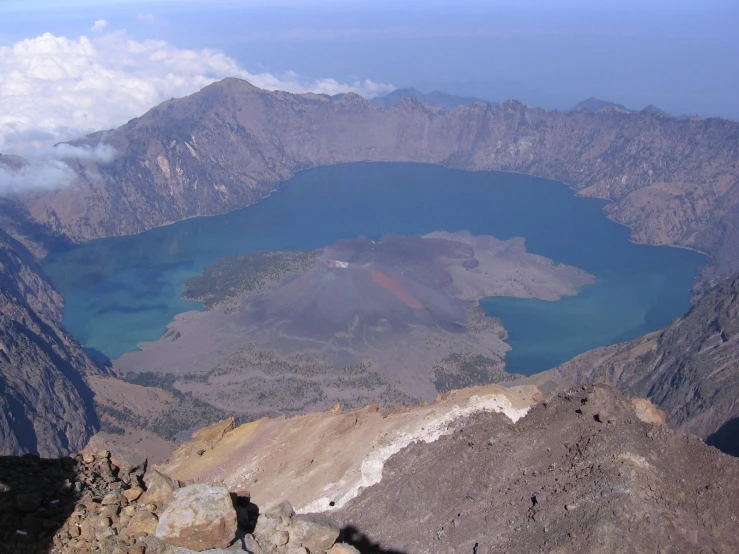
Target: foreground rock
{"points": [[88, 503], [199, 517], [280, 531]]}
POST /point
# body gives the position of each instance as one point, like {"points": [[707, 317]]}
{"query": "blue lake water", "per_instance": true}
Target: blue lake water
{"points": [[124, 290]]}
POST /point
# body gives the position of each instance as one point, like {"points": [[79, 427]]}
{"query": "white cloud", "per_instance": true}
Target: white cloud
{"points": [[100, 153], [99, 25], [146, 17], [48, 168], [40, 175], [55, 88]]}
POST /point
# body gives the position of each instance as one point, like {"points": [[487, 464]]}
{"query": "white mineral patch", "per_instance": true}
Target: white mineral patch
{"points": [[428, 430], [337, 264]]}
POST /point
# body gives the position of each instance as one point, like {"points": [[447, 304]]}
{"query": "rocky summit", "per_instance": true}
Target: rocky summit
{"points": [[101, 503], [586, 471]]}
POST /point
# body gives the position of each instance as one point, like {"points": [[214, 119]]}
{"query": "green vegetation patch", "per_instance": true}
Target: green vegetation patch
{"points": [[237, 277]]}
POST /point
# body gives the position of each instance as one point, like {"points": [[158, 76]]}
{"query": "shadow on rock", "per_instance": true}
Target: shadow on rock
{"points": [[65, 504], [37, 496], [353, 536], [726, 439]]}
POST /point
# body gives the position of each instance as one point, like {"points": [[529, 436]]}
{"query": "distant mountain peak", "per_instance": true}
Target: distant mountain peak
{"points": [[435, 99], [652, 109], [235, 81], [594, 104]]}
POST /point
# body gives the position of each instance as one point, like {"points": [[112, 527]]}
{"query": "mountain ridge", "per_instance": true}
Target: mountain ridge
{"points": [[672, 181]]}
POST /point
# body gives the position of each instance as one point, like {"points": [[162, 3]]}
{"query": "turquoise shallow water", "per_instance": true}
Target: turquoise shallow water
{"points": [[124, 290]]}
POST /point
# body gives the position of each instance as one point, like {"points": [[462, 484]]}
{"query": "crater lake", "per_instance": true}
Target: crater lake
{"points": [[121, 291]]}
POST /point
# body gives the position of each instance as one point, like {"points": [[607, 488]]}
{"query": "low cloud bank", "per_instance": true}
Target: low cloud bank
{"points": [[48, 168]]}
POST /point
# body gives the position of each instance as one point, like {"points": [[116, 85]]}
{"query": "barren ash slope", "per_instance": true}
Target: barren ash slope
{"points": [[478, 471], [673, 181]]}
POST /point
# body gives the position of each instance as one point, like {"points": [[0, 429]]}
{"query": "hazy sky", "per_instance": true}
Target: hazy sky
{"points": [[76, 65]]}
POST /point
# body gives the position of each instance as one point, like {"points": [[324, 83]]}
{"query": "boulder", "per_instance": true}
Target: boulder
{"points": [[133, 493], [313, 532], [252, 545], [342, 548], [131, 463], [142, 523], [199, 517], [213, 433], [283, 511], [95, 528], [159, 489]]}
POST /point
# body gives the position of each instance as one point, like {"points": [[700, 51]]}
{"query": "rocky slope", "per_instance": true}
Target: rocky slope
{"points": [[320, 461], [581, 473], [673, 181], [100, 503], [46, 405], [690, 369]]}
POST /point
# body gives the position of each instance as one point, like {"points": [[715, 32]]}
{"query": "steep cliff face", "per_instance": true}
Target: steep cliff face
{"points": [[673, 181], [46, 407], [690, 369]]}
